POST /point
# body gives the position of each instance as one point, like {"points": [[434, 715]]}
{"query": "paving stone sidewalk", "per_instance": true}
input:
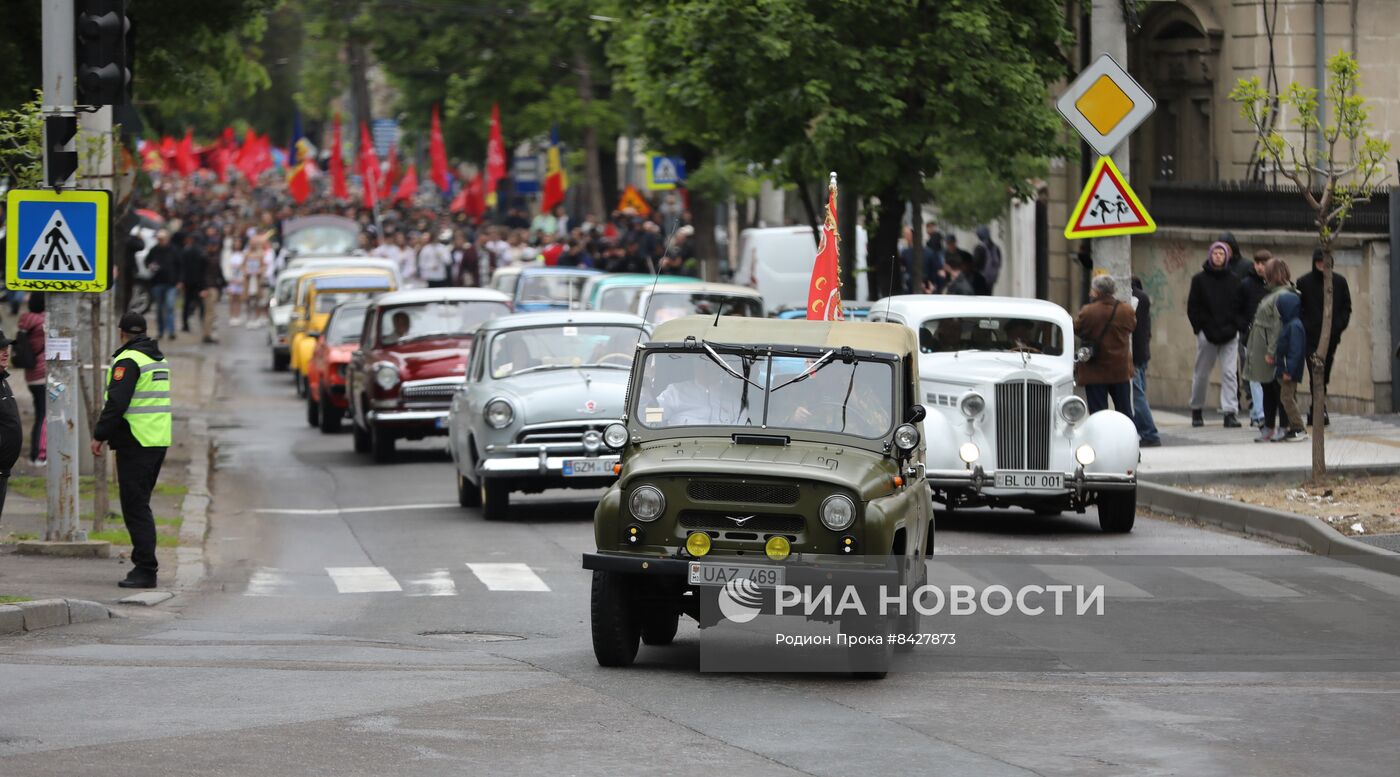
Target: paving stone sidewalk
{"points": [[1352, 441]]}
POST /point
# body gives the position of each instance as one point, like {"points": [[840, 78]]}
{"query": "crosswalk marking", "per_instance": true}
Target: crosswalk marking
{"points": [[1378, 580], [1077, 574], [435, 583], [1240, 583], [943, 575], [363, 580], [508, 577]]}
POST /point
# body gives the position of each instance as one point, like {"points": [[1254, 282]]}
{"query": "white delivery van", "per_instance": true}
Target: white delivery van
{"points": [[777, 261]]}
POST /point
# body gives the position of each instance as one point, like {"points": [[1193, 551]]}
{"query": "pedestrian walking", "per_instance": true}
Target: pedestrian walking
{"points": [[1253, 289], [958, 281], [1263, 340], [1213, 309], [11, 431], [163, 261], [1106, 324], [1148, 436], [987, 257], [966, 264], [31, 334], [1289, 355], [1310, 294], [136, 422], [435, 260]]}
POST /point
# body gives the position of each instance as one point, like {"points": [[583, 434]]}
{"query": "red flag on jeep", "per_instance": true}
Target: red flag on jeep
{"points": [[824, 292]]}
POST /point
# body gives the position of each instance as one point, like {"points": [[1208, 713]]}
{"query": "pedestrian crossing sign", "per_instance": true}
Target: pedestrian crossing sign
{"points": [[1108, 207], [665, 172], [57, 241]]}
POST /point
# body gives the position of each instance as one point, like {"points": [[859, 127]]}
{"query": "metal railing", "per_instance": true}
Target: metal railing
{"points": [[1255, 206]]}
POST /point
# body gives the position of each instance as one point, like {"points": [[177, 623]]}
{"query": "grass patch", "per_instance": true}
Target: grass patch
{"points": [[121, 537], [176, 522], [171, 489], [37, 487], [21, 536], [13, 599]]}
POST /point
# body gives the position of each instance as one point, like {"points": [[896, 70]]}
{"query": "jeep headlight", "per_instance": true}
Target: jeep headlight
{"points": [[615, 436], [386, 377], [972, 404], [499, 413], [906, 438], [647, 503], [1073, 409], [838, 512]]}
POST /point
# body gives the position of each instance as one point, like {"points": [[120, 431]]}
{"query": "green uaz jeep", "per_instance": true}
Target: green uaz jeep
{"points": [[756, 448]]}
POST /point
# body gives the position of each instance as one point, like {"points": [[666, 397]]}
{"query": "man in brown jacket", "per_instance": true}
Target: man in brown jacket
{"points": [[1106, 325]]}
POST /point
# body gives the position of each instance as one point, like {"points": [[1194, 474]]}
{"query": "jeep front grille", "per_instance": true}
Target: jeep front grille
{"points": [[742, 521], [1023, 425], [744, 493]]}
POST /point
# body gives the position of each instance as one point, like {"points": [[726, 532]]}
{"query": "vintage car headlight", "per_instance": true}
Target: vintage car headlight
{"points": [[972, 404], [969, 452], [1084, 454], [615, 436], [1073, 409], [386, 377], [647, 503], [838, 512], [499, 413], [906, 438]]}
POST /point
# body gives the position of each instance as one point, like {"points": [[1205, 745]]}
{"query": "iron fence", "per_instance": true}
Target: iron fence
{"points": [[1252, 205]]}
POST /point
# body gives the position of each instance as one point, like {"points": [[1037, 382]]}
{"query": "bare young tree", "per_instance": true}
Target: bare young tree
{"points": [[1335, 164]]}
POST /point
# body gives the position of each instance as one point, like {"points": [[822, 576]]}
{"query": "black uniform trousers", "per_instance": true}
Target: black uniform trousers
{"points": [[137, 471]]}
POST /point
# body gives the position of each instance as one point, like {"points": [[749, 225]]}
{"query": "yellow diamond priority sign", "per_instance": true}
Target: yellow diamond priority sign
{"points": [[1105, 104]]}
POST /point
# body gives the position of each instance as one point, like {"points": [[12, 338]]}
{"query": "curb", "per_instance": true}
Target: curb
{"points": [[46, 613], [1296, 530], [195, 508], [1218, 477]]}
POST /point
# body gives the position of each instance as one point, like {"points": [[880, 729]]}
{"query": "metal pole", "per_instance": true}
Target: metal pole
{"points": [[1109, 34], [1395, 293], [60, 64], [98, 168], [1320, 70]]}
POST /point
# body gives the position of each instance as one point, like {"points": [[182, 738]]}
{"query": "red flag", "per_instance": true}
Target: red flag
{"points": [[408, 186], [299, 183], [185, 161], [495, 157], [475, 205], [151, 160], [824, 292], [391, 178], [459, 203], [438, 153], [338, 188], [369, 167]]}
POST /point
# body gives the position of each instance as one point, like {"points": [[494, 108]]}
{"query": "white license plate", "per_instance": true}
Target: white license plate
{"points": [[574, 468], [1031, 481], [440, 423], [719, 574]]}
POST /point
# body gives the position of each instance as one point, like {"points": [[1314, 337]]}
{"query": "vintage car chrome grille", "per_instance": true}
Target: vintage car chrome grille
{"points": [[745, 493], [566, 432], [741, 521], [430, 394], [1023, 425]]}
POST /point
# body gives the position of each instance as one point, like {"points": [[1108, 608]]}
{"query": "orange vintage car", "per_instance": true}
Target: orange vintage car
{"points": [[326, 403]]}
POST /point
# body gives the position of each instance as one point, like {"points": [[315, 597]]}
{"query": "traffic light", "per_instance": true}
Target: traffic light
{"points": [[59, 132], [103, 72]]}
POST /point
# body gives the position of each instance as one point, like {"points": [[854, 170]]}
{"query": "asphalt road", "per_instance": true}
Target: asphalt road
{"points": [[356, 621]]}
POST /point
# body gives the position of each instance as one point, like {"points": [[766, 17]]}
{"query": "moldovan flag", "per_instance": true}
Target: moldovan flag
{"points": [[437, 152], [824, 293], [495, 157], [337, 165], [408, 186], [556, 181], [369, 167], [299, 183]]}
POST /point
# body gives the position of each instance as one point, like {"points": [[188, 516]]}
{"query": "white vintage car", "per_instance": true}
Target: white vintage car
{"points": [[1004, 426]]}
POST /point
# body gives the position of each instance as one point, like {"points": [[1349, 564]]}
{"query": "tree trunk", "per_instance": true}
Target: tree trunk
{"points": [[359, 83], [1318, 362], [811, 209], [883, 255], [593, 178], [607, 162]]}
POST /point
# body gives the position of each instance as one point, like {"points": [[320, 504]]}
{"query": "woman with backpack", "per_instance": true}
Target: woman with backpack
{"points": [[29, 354]]}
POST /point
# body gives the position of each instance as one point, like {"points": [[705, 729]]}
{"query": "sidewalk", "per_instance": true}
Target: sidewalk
{"points": [[1352, 441], [178, 503]]}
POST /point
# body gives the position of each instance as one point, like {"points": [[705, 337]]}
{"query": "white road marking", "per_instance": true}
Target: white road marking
{"points": [[1377, 580], [435, 583], [363, 580], [350, 510], [508, 577], [1239, 582], [1077, 574], [267, 582]]}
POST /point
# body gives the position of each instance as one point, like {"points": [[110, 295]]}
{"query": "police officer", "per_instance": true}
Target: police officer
{"points": [[136, 423], [11, 431]]}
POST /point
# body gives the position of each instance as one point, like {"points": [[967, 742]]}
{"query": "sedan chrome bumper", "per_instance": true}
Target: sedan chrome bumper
{"points": [[408, 416], [978, 479], [543, 464]]}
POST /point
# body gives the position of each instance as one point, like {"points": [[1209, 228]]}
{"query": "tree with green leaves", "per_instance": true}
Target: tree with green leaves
{"points": [[1335, 164]]}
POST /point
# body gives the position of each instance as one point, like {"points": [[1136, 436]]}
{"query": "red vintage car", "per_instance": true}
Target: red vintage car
{"points": [[411, 359], [326, 402]]}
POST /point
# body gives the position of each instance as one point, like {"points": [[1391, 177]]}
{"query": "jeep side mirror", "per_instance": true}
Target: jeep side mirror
{"points": [[917, 413]]}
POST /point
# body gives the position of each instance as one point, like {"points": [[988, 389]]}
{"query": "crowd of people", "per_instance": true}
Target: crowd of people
{"points": [[947, 268]]}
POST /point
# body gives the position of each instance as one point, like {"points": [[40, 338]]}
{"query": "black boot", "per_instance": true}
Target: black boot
{"points": [[1196, 419], [1231, 422], [138, 579]]}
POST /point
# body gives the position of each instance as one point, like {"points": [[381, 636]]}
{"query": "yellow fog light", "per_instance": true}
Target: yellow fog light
{"points": [[777, 548], [697, 544]]}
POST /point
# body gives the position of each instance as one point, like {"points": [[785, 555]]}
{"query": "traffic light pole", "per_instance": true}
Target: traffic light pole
{"points": [[60, 72], [1109, 35]]}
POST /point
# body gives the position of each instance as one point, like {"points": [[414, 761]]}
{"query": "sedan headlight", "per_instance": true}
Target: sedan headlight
{"points": [[1085, 455], [972, 404], [615, 436], [386, 377], [499, 413], [647, 503], [1073, 409], [838, 512], [906, 438]]}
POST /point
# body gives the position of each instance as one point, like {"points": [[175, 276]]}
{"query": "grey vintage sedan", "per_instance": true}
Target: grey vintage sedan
{"points": [[541, 390]]}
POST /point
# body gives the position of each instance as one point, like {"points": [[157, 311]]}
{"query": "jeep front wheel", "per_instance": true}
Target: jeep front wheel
{"points": [[1117, 511], [616, 630], [659, 628]]}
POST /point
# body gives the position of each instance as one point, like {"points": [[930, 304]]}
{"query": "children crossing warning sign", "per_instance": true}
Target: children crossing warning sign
{"points": [[58, 241], [1108, 207]]}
